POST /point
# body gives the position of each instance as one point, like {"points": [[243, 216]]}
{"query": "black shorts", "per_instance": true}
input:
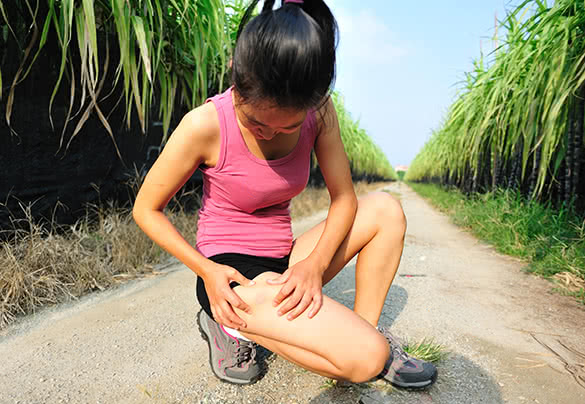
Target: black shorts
{"points": [[248, 265]]}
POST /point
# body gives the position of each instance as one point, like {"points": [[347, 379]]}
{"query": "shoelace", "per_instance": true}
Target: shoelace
{"points": [[245, 352], [395, 345]]}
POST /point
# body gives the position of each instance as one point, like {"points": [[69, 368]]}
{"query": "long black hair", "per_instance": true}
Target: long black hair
{"points": [[286, 56]]}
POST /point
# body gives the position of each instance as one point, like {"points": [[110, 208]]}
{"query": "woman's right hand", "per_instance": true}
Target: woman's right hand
{"points": [[222, 297]]}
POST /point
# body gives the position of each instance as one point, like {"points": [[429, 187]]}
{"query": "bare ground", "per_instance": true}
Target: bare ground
{"points": [[510, 339]]}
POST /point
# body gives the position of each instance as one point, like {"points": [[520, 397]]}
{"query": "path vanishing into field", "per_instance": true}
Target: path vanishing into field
{"points": [[510, 339]]}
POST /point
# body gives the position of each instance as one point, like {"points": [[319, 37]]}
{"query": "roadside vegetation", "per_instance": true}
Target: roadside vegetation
{"points": [[163, 53], [511, 148], [551, 241], [518, 123]]}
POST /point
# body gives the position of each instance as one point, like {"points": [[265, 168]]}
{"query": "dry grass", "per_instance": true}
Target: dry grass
{"points": [[45, 265], [569, 281]]}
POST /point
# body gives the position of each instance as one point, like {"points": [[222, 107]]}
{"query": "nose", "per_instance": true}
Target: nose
{"points": [[267, 133]]}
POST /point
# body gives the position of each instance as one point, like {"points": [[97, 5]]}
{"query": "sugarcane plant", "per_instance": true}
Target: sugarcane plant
{"points": [[366, 157], [155, 50], [518, 122]]}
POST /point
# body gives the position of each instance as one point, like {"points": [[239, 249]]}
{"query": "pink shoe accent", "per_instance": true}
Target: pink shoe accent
{"points": [[216, 344], [219, 364], [230, 335]]}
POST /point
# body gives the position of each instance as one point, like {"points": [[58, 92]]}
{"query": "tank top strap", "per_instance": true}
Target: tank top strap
{"points": [[228, 127], [309, 131]]}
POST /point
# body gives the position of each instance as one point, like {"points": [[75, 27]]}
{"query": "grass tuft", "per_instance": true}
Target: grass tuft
{"points": [[427, 350]]}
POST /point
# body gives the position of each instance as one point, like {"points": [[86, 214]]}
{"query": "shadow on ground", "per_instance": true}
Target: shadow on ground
{"points": [[342, 289]]}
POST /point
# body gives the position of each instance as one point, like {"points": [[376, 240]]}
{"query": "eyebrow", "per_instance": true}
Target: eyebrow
{"points": [[294, 125]]}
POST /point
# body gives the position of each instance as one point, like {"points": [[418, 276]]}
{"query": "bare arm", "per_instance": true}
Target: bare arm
{"points": [[335, 169], [195, 141], [302, 283]]}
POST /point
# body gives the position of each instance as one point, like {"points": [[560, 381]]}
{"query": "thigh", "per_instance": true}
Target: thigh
{"points": [[335, 333]]}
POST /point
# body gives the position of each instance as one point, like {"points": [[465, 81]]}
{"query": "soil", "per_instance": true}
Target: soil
{"points": [[510, 338]]}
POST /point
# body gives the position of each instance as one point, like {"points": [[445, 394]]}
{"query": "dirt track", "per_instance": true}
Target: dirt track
{"points": [[510, 339]]}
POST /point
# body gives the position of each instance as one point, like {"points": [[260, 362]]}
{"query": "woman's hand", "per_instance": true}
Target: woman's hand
{"points": [[303, 284], [222, 297]]}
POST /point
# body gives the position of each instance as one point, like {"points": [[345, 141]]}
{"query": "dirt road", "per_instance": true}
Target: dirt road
{"points": [[510, 340]]}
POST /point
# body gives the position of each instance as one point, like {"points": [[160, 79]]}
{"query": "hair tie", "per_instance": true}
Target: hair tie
{"points": [[294, 1]]}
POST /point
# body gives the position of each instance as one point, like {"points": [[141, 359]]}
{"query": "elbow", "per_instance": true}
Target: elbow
{"points": [[348, 199], [137, 214]]}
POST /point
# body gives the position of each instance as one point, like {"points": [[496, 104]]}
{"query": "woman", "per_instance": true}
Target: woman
{"points": [[253, 144]]}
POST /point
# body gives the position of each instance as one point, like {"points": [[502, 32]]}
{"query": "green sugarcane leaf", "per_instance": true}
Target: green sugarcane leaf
{"points": [[138, 25]]}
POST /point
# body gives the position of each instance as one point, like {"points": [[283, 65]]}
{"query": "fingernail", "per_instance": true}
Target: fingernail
{"points": [[289, 318], [280, 313], [252, 283]]}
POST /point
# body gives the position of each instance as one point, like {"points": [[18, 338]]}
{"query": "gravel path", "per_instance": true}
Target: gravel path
{"points": [[510, 340]]}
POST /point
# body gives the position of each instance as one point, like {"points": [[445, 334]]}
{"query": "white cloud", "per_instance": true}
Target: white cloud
{"points": [[366, 39]]}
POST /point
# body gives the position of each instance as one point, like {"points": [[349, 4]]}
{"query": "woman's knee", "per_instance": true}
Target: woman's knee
{"points": [[369, 364], [386, 211]]}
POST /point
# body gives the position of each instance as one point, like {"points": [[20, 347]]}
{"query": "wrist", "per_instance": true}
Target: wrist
{"points": [[319, 262], [206, 268]]}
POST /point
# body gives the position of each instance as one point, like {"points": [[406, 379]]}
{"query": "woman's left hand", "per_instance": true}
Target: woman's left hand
{"points": [[303, 284]]}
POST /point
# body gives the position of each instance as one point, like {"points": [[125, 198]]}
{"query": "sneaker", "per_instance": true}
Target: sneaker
{"points": [[232, 359], [403, 370]]}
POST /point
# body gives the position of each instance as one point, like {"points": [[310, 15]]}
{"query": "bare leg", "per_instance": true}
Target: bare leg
{"points": [[378, 236], [321, 344]]}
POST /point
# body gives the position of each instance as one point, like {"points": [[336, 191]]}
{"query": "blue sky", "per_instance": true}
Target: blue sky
{"points": [[399, 63]]}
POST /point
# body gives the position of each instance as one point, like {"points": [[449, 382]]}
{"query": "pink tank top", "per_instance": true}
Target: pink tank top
{"points": [[245, 205]]}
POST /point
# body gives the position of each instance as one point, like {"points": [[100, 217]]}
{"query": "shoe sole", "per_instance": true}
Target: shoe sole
{"points": [[417, 385], [223, 378]]}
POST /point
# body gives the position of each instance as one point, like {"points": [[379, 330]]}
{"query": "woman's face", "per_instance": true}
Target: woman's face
{"points": [[266, 121]]}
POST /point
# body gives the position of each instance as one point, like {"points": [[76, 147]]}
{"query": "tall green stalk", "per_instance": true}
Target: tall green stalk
{"points": [[518, 122], [167, 49]]}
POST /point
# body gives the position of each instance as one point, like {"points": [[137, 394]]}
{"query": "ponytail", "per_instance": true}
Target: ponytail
{"points": [[286, 56]]}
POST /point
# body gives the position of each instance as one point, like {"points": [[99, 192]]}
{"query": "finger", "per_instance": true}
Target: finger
{"points": [[236, 301], [290, 303], [233, 320], [280, 279], [301, 307], [282, 294], [316, 306], [221, 319], [241, 279]]}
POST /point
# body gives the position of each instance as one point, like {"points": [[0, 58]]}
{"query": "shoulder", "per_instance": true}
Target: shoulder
{"points": [[326, 117], [199, 133], [201, 123]]}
